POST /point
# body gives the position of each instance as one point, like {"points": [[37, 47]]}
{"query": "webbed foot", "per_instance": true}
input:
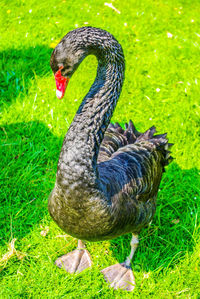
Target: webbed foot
{"points": [[75, 261], [120, 277]]}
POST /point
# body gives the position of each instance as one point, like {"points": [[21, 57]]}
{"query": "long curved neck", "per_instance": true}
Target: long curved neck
{"points": [[78, 158]]}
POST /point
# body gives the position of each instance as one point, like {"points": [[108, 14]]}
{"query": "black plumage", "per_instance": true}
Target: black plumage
{"points": [[107, 178]]}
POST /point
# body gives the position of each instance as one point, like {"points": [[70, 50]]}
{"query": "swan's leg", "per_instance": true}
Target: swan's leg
{"points": [[75, 261], [134, 245], [120, 276]]}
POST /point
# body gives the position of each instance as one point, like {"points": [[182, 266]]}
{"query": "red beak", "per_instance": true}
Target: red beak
{"points": [[61, 83]]}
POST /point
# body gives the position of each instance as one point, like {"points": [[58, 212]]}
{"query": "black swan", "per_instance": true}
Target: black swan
{"points": [[107, 178]]}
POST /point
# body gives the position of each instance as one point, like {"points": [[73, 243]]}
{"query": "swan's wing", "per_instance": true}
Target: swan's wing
{"points": [[115, 137], [134, 169]]}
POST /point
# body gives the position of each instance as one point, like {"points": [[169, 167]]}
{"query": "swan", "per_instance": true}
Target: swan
{"points": [[107, 177]]}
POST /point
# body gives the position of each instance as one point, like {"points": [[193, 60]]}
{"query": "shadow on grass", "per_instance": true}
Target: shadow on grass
{"points": [[29, 160], [19, 67], [29, 155]]}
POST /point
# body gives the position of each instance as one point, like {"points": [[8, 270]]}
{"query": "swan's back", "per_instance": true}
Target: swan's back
{"points": [[130, 168]]}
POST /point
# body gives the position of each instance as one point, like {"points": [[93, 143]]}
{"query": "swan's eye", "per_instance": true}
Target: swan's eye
{"points": [[66, 71]]}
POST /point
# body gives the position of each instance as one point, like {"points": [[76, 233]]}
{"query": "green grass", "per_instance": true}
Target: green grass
{"points": [[161, 42]]}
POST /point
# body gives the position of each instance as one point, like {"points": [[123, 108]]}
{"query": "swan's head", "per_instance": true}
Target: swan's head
{"points": [[65, 59], [75, 46]]}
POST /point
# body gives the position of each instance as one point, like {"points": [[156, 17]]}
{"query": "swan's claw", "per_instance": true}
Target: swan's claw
{"points": [[75, 261], [120, 277]]}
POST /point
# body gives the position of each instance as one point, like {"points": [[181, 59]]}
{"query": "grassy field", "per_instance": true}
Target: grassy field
{"points": [[161, 42]]}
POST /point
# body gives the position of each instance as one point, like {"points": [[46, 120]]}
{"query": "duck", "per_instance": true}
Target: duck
{"points": [[107, 177]]}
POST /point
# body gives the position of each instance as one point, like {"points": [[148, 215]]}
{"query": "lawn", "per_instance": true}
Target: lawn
{"points": [[161, 43]]}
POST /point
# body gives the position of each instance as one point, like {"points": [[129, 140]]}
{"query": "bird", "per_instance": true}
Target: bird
{"points": [[107, 177]]}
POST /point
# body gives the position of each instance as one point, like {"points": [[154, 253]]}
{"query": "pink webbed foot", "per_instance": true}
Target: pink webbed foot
{"points": [[120, 277], [75, 261]]}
